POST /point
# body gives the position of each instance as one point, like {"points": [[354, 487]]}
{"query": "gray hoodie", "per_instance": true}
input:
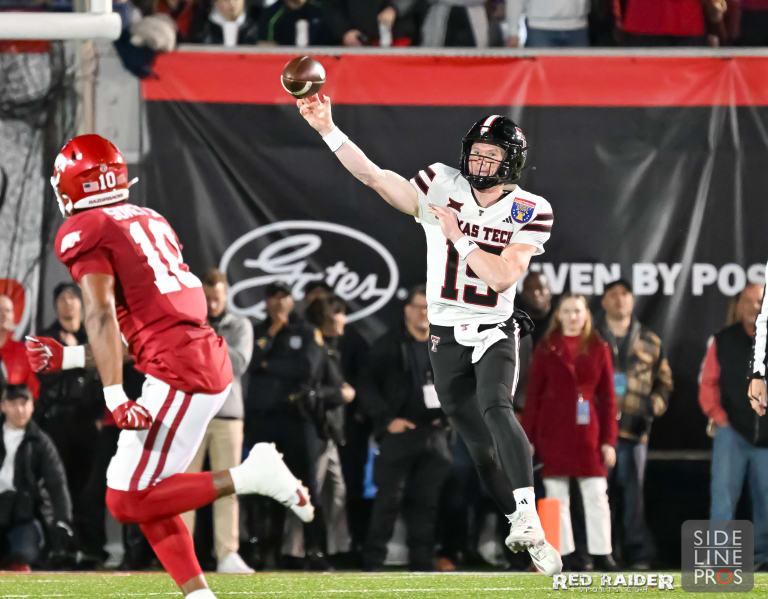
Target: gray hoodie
{"points": [[559, 15], [238, 333]]}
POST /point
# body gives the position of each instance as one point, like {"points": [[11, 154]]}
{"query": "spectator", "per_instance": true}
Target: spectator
{"points": [[32, 484], [189, 15], [312, 291], [223, 439], [536, 301], [414, 459], [287, 355], [550, 23], [741, 436], [13, 356], [229, 24], [294, 23], [643, 383], [331, 394], [376, 22], [71, 408], [452, 23], [353, 353], [570, 418], [664, 23]]}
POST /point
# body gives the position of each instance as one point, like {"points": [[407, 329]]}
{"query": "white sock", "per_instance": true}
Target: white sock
{"points": [[201, 594], [525, 499]]}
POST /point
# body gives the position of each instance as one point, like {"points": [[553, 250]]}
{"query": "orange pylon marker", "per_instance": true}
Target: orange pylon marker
{"points": [[549, 514]]}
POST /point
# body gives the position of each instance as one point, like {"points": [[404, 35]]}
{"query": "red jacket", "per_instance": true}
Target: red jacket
{"points": [[660, 17], [549, 418], [13, 355]]}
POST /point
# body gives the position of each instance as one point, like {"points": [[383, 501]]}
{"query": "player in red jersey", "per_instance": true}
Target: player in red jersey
{"points": [[136, 287]]}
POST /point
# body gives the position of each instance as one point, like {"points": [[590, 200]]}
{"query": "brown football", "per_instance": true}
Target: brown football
{"points": [[302, 76]]}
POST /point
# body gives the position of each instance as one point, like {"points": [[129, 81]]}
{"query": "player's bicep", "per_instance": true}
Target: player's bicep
{"points": [[98, 292], [398, 192]]}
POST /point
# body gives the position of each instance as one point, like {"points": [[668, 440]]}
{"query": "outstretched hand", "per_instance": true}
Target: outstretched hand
{"points": [[317, 113]]}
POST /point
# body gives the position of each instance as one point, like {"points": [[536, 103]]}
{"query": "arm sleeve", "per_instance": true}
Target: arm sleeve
{"points": [[606, 394], [372, 401], [513, 11], [662, 385], [55, 480], [761, 332], [709, 388], [240, 346], [329, 389]]}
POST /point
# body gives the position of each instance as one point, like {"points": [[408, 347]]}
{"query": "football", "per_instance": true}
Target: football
{"points": [[302, 76]]}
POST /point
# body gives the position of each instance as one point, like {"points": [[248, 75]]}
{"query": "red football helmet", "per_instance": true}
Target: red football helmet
{"points": [[88, 172]]}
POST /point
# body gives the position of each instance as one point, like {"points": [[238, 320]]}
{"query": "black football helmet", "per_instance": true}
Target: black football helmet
{"points": [[503, 132]]}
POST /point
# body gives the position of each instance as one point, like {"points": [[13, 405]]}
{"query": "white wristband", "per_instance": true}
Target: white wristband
{"points": [[335, 139], [114, 395], [464, 245], [73, 356]]}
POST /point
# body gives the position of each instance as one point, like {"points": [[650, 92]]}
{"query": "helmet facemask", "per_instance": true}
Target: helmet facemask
{"points": [[503, 133]]}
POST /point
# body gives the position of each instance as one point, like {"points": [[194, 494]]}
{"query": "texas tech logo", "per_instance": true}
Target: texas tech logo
{"points": [[435, 340]]}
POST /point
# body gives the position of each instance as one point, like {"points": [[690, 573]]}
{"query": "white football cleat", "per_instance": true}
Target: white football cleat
{"points": [[233, 564], [524, 531], [265, 473], [546, 558]]}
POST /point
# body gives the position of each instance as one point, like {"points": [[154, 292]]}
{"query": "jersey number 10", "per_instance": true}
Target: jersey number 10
{"points": [[450, 291], [167, 278]]}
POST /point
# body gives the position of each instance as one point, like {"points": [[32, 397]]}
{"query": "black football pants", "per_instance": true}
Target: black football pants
{"points": [[477, 398]]}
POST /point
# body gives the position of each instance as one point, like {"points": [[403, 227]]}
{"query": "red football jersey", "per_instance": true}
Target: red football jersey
{"points": [[160, 304]]}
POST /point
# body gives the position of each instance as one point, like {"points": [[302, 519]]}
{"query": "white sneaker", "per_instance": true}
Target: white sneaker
{"points": [[265, 473], [546, 558], [524, 531], [233, 564]]}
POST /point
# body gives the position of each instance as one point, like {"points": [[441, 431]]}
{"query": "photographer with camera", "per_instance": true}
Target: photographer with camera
{"points": [[280, 407]]}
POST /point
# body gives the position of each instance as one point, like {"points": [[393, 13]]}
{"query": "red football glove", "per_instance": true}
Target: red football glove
{"points": [[131, 416], [127, 413], [44, 354]]}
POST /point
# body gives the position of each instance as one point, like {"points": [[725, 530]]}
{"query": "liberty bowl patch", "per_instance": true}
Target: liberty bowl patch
{"points": [[522, 210]]}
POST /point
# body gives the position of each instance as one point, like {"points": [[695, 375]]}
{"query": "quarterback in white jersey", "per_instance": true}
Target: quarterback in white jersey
{"points": [[482, 231], [456, 295]]}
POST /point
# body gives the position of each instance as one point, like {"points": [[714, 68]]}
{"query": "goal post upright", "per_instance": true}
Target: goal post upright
{"points": [[97, 23]]}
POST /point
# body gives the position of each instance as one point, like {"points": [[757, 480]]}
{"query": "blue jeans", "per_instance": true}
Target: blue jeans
{"points": [[24, 542], [733, 458], [556, 38], [628, 484]]}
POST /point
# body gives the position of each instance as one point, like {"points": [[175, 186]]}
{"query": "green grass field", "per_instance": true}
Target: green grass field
{"points": [[342, 585]]}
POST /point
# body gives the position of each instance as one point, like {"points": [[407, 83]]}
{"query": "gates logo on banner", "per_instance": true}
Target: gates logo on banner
{"points": [[359, 269]]}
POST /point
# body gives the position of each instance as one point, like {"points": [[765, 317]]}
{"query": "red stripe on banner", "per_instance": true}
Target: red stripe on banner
{"points": [[470, 81], [169, 438], [150, 441]]}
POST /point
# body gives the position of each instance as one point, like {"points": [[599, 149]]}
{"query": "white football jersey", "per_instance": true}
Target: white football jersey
{"points": [[454, 293]]}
